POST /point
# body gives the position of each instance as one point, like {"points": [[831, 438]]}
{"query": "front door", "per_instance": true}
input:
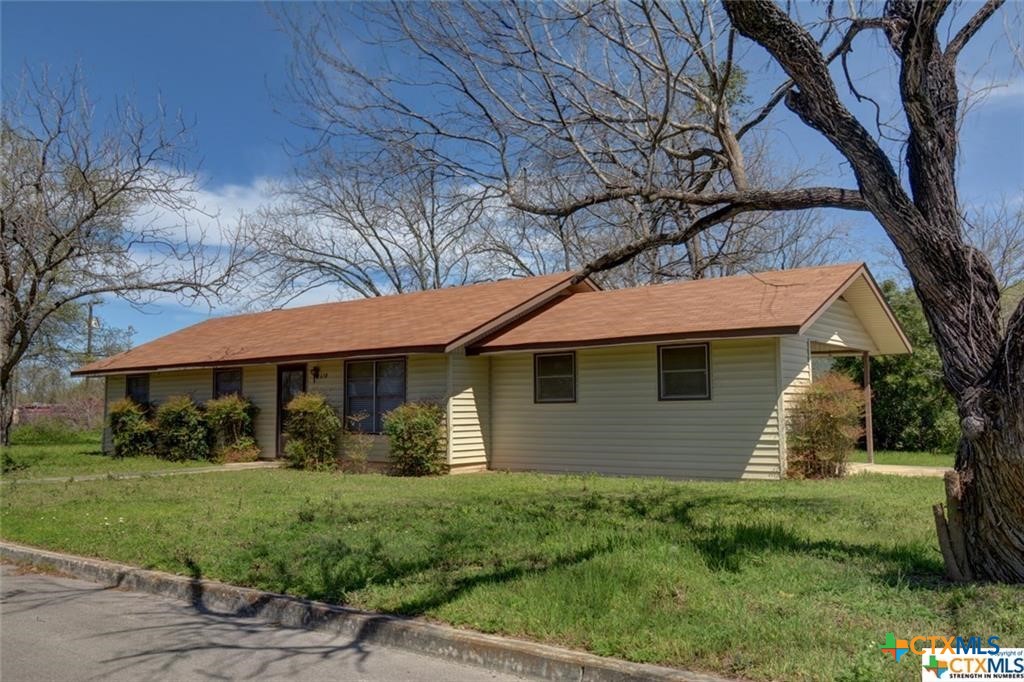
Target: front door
{"points": [[291, 381]]}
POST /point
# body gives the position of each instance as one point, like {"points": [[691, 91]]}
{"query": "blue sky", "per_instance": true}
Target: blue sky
{"points": [[220, 63]]}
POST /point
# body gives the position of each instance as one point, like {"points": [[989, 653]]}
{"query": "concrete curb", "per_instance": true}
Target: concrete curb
{"points": [[502, 654]]}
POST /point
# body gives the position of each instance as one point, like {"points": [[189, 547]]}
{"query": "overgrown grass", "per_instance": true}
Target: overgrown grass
{"points": [[74, 459], [773, 580], [52, 432], [930, 459]]}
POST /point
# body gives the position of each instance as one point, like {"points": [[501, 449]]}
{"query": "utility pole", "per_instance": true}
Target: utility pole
{"points": [[92, 322]]}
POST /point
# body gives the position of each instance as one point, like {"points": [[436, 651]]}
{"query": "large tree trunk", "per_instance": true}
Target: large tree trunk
{"points": [[991, 509], [6, 410], [981, 533]]}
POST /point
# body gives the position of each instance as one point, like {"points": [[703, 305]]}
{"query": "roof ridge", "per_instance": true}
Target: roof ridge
{"points": [[367, 299], [852, 265]]}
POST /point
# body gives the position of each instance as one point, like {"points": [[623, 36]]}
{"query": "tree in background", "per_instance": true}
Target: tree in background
{"points": [[70, 337], [540, 119], [80, 215], [912, 408], [391, 226]]}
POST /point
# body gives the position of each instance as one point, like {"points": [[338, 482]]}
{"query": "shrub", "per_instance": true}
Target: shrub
{"points": [[312, 430], [824, 426], [355, 445], [242, 450], [181, 431], [231, 420], [49, 431], [416, 435], [130, 431]]}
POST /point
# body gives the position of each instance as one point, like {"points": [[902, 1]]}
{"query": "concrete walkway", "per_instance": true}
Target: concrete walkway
{"points": [[240, 466], [897, 470], [56, 628]]}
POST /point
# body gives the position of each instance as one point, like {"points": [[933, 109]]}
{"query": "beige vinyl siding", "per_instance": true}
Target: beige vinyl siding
{"points": [[425, 377], [259, 384], [839, 327], [469, 415], [113, 388], [196, 383], [864, 302], [794, 377], [618, 426], [795, 363]]}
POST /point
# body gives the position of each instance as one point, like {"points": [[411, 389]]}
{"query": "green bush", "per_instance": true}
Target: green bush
{"points": [[50, 431], [181, 431], [416, 434], [230, 421], [824, 425], [911, 407], [130, 431], [311, 430]]}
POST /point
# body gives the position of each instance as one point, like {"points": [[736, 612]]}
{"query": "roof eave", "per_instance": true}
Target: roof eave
{"points": [[862, 270], [702, 335], [240, 362]]}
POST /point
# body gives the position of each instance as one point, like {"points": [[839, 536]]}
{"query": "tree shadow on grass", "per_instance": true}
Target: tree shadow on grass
{"points": [[730, 548]]}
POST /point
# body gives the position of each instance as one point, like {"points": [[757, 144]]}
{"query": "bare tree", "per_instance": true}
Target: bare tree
{"points": [[998, 232], [77, 214], [388, 227], [550, 106], [597, 101]]}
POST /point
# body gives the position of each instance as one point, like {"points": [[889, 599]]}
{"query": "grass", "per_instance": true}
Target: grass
{"points": [[764, 580], [928, 459], [81, 457]]}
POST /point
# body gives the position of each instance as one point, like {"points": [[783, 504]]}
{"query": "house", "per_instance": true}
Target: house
{"points": [[689, 379]]}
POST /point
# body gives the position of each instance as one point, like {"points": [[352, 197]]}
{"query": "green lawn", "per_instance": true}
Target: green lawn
{"points": [[930, 459], [764, 580], [76, 459]]}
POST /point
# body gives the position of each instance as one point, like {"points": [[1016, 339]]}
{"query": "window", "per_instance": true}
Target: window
{"points": [[136, 387], [554, 378], [372, 389], [227, 382], [683, 373]]}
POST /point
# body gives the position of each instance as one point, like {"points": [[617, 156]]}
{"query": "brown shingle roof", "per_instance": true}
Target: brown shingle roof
{"points": [[747, 305], [418, 322]]}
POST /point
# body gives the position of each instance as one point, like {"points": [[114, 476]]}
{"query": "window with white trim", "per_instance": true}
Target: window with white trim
{"points": [[683, 372], [554, 378]]}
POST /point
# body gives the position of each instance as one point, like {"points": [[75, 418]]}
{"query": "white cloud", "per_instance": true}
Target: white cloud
{"points": [[212, 213]]}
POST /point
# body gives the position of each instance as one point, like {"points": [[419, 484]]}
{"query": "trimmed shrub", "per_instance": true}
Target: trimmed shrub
{"points": [[181, 431], [130, 431], [231, 420], [824, 426], [416, 435], [312, 430]]}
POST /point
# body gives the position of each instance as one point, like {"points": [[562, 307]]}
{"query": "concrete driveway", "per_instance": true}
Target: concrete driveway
{"points": [[54, 628]]}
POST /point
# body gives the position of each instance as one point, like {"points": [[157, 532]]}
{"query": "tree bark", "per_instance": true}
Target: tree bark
{"points": [[6, 407], [982, 362]]}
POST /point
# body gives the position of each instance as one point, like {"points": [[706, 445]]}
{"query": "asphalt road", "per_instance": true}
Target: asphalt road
{"points": [[54, 628]]}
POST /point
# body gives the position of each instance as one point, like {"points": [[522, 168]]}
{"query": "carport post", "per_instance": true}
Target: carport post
{"points": [[869, 436]]}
